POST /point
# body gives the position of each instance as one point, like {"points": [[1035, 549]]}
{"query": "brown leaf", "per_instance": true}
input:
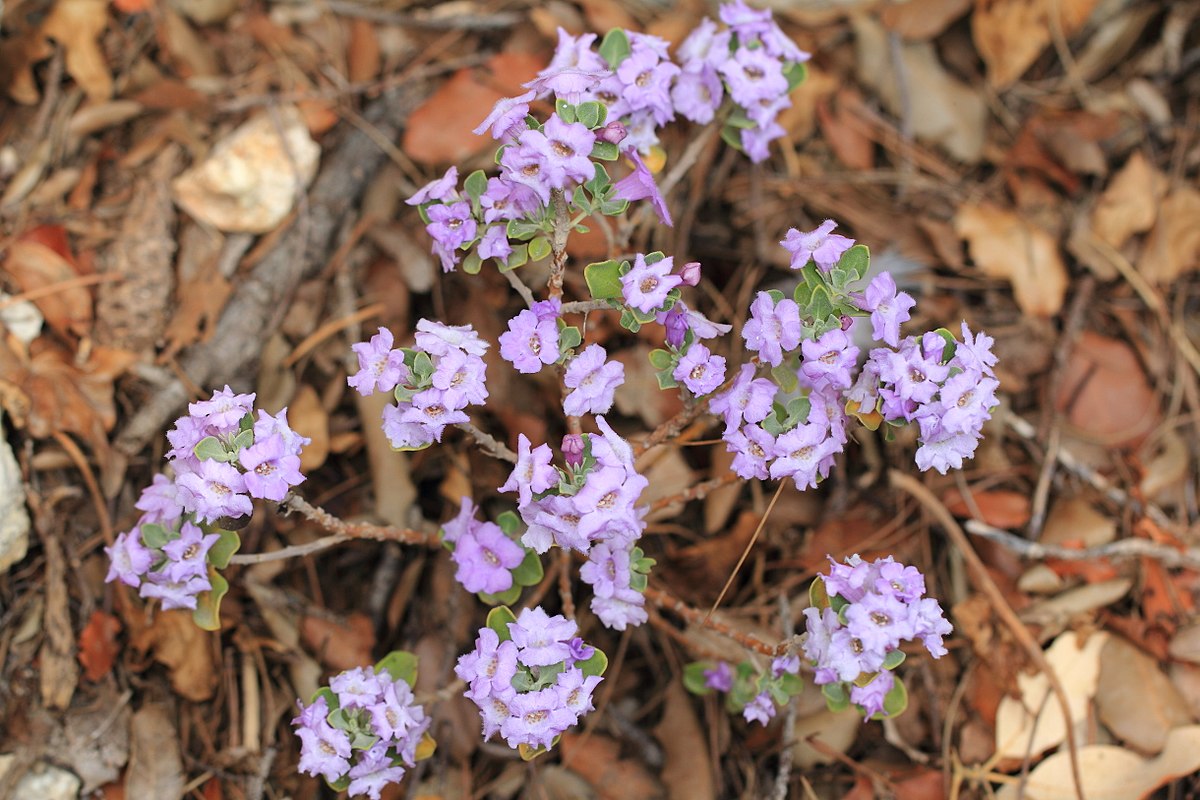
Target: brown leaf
{"points": [[920, 20], [1000, 508], [597, 758], [77, 25], [186, 651], [1105, 393], [339, 645], [1005, 246], [1011, 34], [98, 646], [1129, 204], [686, 771], [155, 765], [438, 132], [308, 418], [36, 266], [1173, 247], [362, 56], [1135, 699], [842, 129]]}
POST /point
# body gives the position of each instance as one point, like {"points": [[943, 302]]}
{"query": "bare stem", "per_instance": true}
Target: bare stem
{"points": [[558, 244], [669, 602], [697, 492], [489, 443]]}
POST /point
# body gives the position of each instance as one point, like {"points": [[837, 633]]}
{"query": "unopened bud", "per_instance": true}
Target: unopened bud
{"points": [[847, 321], [572, 447], [612, 133], [690, 272]]}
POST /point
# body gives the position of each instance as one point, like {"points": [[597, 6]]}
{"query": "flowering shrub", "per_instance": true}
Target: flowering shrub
{"points": [[787, 412]]}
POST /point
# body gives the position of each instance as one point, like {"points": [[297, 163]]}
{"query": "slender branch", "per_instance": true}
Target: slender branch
{"points": [[749, 546], [697, 492], [294, 551], [1121, 550], [489, 443], [558, 244], [518, 284], [584, 306], [983, 580], [668, 602]]}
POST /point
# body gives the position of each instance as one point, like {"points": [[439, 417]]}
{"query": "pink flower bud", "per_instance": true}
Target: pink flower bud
{"points": [[612, 133], [572, 447], [690, 272]]}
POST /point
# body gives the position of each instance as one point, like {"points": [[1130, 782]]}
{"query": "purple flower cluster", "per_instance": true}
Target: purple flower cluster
{"points": [[752, 691], [947, 388], [588, 507], [433, 381], [593, 381], [529, 681], [221, 458], [485, 555], [749, 60], [872, 608], [532, 339], [363, 731]]}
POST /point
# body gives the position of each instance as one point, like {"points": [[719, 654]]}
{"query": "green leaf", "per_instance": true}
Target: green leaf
{"points": [[579, 199], [505, 598], [154, 535], [591, 114], [363, 741], [856, 261], [795, 72], [223, 548], [791, 684], [539, 248], [739, 120], [895, 701], [666, 380], [893, 659], [528, 753], [472, 263], [422, 366], [661, 359], [475, 185], [775, 295], [785, 377], [820, 306], [605, 151], [518, 257], [529, 572], [331, 698], [628, 321], [654, 257], [836, 698], [523, 230], [599, 182], [509, 522], [951, 344], [732, 137], [242, 440], [207, 614], [594, 665], [498, 620], [565, 111], [612, 208], [694, 680], [604, 279], [638, 581], [568, 338], [341, 784], [423, 209], [797, 411], [400, 664], [210, 447], [614, 48]]}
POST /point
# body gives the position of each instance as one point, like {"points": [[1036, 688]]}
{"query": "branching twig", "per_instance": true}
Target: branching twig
{"points": [[1121, 550], [489, 443], [558, 244], [697, 492], [676, 606], [983, 580]]}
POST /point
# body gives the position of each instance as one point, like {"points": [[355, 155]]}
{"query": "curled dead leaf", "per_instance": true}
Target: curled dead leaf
{"points": [[77, 25], [1004, 245]]}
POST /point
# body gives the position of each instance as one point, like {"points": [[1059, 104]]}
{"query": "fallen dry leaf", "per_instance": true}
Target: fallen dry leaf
{"points": [[1033, 723], [1135, 699], [186, 652], [686, 771], [597, 759], [1011, 34], [339, 645], [1074, 520], [308, 418], [1129, 204], [1111, 773], [921, 20], [155, 764], [1005, 246], [35, 265], [77, 25], [98, 646], [1000, 508], [1173, 246], [1105, 394]]}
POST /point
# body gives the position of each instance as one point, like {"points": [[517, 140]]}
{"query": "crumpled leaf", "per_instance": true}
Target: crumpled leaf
{"points": [[1004, 245], [1129, 204], [1111, 773], [597, 759], [77, 25], [1173, 247], [1135, 699], [155, 765], [1011, 34], [34, 265], [1033, 723], [98, 645], [186, 652], [686, 771], [1105, 393]]}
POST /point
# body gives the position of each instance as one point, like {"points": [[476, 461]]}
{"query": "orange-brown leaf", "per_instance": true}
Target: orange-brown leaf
{"points": [[98, 645]]}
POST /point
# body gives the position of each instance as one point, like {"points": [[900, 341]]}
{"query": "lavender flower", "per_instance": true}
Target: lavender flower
{"points": [[822, 246], [773, 328], [486, 557], [645, 286], [271, 470], [128, 559], [640, 185], [749, 399], [719, 677], [829, 359], [530, 342], [888, 308], [533, 473], [441, 190], [593, 379], [214, 490], [507, 118], [699, 370]]}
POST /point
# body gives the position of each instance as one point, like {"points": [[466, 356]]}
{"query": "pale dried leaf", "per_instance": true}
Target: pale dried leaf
{"points": [[1011, 34], [1129, 203], [687, 771], [77, 25], [920, 20], [1085, 599], [597, 759], [186, 651], [1033, 723], [1105, 393], [942, 109], [35, 266], [155, 765], [1111, 773], [1135, 699], [1004, 245], [1186, 644], [836, 730], [669, 475], [1074, 519], [308, 418], [253, 177], [14, 518], [1173, 247]]}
